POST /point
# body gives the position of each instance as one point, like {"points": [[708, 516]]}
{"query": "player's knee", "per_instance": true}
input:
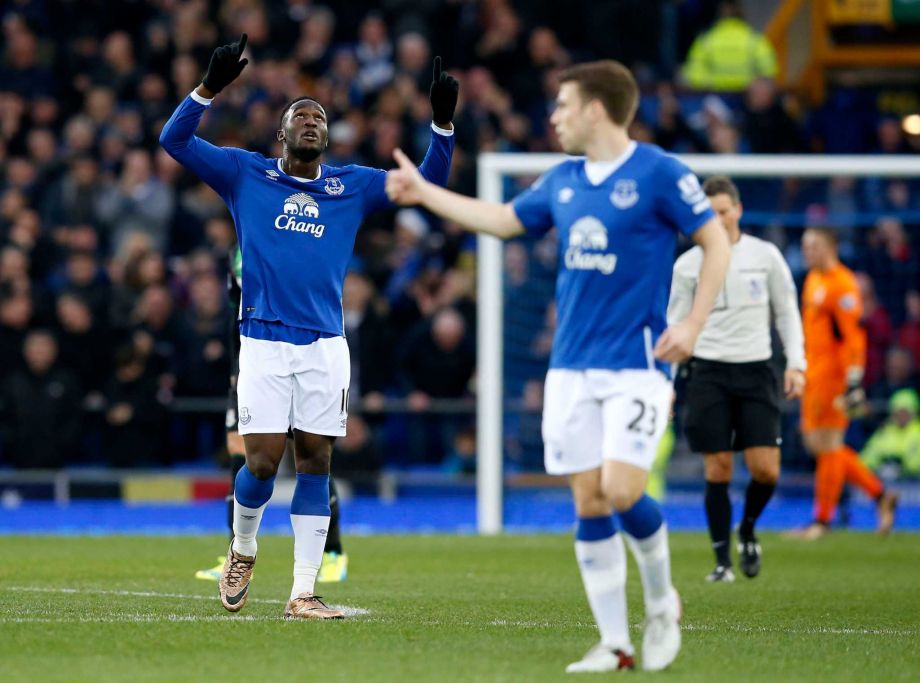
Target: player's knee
{"points": [[312, 453], [622, 498], [592, 506], [315, 462], [261, 465], [765, 472]]}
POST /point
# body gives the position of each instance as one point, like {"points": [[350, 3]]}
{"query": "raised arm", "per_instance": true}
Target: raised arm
{"points": [[435, 167], [406, 186], [217, 166]]}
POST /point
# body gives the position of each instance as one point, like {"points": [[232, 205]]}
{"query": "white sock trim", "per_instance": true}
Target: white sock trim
{"points": [[246, 523]]}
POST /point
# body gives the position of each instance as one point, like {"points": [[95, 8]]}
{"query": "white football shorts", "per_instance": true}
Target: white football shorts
{"points": [[301, 386], [594, 415]]}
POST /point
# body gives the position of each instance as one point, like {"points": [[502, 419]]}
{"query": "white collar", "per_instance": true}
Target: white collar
{"points": [[599, 171], [319, 173]]}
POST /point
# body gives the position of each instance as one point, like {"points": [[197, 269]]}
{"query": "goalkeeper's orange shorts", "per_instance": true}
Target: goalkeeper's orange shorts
{"points": [[822, 403]]}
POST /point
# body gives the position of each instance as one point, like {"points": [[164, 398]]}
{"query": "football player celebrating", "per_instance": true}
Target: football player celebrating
{"points": [[618, 212], [294, 365]]}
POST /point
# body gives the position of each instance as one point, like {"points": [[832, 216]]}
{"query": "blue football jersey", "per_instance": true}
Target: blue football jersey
{"points": [[296, 237], [616, 250]]}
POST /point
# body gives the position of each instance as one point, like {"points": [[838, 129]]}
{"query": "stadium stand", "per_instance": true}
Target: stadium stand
{"points": [[107, 244]]}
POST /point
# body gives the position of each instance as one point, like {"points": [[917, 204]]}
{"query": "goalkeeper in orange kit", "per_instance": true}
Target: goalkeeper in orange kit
{"points": [[835, 349]]}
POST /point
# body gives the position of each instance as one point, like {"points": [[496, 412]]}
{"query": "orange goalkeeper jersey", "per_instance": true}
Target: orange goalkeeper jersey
{"points": [[831, 312]]}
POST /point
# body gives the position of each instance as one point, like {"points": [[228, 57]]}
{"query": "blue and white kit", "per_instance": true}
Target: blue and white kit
{"points": [[607, 397], [297, 236]]}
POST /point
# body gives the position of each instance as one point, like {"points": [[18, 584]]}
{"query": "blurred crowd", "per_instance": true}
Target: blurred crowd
{"points": [[113, 260]]}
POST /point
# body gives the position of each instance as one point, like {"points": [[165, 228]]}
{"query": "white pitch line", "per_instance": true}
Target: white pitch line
{"points": [[731, 628], [360, 611], [349, 611]]}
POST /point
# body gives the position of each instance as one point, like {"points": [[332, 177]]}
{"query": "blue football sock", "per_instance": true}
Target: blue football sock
{"points": [[252, 492], [643, 519]]}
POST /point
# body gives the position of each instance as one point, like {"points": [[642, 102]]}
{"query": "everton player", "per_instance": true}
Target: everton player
{"points": [[334, 568], [618, 212], [296, 220]]}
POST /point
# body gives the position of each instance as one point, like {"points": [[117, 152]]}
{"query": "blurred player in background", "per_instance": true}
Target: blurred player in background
{"points": [[608, 392], [296, 221], [334, 568], [733, 399], [835, 348]]}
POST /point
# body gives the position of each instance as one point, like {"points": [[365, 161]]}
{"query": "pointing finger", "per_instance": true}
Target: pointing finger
{"points": [[436, 69], [401, 158], [242, 42]]}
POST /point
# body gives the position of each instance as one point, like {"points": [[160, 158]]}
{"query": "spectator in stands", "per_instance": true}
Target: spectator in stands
{"points": [[899, 374], [730, 55], [357, 459], [16, 315], [374, 52], [313, 50], [461, 460], [73, 199], [908, 335], [437, 361], [370, 340], [767, 127], [204, 364], [82, 275], [893, 451], [39, 408], [84, 342], [161, 335], [878, 328], [892, 264], [139, 202], [135, 432]]}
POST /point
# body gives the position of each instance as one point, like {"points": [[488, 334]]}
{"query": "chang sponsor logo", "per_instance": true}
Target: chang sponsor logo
{"points": [[587, 247], [296, 214]]}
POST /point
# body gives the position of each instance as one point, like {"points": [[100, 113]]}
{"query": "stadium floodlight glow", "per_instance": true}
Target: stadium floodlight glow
{"points": [[911, 124], [492, 167]]}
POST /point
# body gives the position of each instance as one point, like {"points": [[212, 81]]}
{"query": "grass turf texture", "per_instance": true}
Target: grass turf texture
{"points": [[446, 608]]}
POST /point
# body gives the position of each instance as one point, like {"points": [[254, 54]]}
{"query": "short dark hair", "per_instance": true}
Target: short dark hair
{"points": [[720, 184], [305, 98], [830, 234], [609, 82]]}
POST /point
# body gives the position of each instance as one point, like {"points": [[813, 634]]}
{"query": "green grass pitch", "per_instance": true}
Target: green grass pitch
{"points": [[446, 608]]}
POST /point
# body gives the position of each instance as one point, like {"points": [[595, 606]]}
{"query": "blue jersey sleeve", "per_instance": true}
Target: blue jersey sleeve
{"points": [[219, 167], [681, 200], [435, 167], [534, 205]]}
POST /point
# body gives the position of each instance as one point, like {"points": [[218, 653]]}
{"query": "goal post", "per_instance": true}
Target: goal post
{"points": [[492, 167]]}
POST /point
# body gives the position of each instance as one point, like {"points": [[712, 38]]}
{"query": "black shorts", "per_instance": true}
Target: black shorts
{"points": [[732, 406], [233, 418]]}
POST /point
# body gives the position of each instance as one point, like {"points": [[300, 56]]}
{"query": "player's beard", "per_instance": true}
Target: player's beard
{"points": [[306, 154]]}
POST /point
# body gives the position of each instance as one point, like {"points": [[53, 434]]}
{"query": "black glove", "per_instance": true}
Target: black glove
{"points": [[443, 95], [225, 65]]}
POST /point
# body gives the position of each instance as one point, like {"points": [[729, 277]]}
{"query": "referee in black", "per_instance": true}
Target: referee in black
{"points": [[733, 395]]}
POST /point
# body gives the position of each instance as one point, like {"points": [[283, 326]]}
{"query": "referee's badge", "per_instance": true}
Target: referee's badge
{"points": [[624, 194]]}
